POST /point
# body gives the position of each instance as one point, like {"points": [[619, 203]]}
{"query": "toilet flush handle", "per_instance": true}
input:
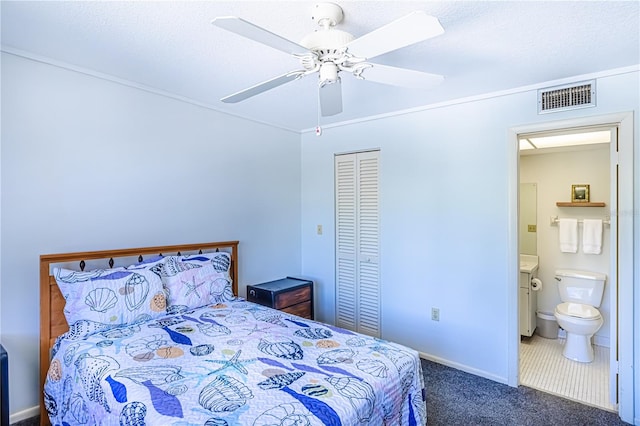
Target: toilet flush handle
{"points": [[558, 278]]}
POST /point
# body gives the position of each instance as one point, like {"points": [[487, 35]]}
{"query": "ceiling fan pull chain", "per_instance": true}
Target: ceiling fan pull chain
{"points": [[318, 128]]}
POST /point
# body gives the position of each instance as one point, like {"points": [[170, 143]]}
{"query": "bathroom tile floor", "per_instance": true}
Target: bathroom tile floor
{"points": [[543, 367]]}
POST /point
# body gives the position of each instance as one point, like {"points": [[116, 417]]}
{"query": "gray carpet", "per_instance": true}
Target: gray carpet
{"points": [[458, 398]]}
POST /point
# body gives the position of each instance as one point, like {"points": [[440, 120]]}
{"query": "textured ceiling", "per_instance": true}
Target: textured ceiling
{"points": [[171, 46]]}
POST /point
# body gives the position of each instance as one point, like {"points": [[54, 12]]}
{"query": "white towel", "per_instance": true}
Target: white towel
{"points": [[568, 235], [592, 236]]}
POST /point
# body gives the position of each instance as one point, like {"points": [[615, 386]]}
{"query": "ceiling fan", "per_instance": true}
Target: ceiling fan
{"points": [[329, 51]]}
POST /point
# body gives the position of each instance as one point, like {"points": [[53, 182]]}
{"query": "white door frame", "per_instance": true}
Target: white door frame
{"points": [[624, 122]]}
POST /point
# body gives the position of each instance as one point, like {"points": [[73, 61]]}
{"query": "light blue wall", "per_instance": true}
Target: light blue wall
{"points": [[88, 164], [444, 219]]}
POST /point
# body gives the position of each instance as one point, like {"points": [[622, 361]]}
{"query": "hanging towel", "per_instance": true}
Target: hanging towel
{"points": [[568, 235], [592, 236]]}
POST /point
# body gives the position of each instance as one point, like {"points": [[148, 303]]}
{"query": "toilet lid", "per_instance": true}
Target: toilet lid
{"points": [[578, 310]]}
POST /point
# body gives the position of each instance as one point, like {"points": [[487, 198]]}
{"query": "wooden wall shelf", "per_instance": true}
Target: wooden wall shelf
{"points": [[568, 204]]}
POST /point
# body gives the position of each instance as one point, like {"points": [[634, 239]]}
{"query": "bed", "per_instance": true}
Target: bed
{"points": [[226, 362]]}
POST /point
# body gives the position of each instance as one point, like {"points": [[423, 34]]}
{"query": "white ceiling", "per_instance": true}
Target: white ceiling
{"points": [[171, 46]]}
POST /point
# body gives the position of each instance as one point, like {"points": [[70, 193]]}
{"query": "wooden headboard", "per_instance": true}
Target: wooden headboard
{"points": [[52, 320]]}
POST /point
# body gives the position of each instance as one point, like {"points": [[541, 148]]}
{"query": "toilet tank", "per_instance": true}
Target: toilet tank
{"points": [[580, 286]]}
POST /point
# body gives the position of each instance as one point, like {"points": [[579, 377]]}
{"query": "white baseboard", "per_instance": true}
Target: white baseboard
{"points": [[601, 341], [24, 414], [465, 368]]}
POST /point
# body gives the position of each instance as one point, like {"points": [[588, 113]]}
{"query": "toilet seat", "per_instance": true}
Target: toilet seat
{"points": [[578, 310]]}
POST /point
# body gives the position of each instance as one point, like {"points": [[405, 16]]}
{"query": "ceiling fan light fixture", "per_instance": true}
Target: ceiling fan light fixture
{"points": [[328, 72]]}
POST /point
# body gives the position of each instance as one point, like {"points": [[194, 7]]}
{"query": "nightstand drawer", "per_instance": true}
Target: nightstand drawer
{"points": [[301, 309], [292, 297]]}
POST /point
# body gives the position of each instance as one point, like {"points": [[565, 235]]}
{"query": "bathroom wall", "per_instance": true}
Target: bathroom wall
{"points": [[554, 174], [528, 213]]}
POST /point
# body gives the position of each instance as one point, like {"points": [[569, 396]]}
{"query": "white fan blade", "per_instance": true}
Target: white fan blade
{"points": [[262, 87], [402, 77], [330, 98], [259, 34], [412, 28]]}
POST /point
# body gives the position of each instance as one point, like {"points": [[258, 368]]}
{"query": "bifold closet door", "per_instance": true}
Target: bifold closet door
{"points": [[358, 242]]}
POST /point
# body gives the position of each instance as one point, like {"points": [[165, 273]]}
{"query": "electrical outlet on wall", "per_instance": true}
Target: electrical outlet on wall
{"points": [[435, 314]]}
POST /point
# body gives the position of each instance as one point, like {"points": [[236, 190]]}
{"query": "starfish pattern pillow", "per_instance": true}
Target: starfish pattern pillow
{"points": [[190, 285]]}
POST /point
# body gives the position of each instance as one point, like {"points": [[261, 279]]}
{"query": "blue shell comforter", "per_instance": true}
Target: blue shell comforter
{"points": [[236, 363]]}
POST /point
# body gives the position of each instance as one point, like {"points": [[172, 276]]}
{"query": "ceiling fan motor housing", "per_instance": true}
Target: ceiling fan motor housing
{"points": [[326, 41]]}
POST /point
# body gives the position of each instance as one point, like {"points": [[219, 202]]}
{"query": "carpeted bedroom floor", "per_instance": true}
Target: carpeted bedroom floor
{"points": [[458, 398]]}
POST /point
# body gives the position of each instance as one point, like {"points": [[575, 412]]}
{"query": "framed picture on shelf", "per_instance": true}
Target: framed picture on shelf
{"points": [[580, 193]]}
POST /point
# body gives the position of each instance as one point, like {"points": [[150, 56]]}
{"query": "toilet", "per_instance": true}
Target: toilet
{"points": [[581, 294]]}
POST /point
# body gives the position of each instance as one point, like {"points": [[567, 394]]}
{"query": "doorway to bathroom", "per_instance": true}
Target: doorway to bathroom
{"points": [[555, 174], [551, 165]]}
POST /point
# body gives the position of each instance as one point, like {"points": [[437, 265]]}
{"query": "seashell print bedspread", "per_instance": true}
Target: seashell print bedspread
{"points": [[236, 363]]}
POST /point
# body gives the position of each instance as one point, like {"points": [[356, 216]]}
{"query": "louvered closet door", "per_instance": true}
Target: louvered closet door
{"points": [[357, 242]]}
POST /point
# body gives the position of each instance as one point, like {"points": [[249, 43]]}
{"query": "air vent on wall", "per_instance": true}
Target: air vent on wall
{"points": [[570, 96]]}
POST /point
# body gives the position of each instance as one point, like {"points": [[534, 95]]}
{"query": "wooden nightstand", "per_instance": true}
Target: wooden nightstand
{"points": [[292, 295]]}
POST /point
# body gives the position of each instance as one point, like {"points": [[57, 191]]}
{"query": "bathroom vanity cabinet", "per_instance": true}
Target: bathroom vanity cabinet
{"points": [[528, 303]]}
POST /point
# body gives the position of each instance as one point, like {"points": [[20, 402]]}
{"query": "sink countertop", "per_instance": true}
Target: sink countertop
{"points": [[528, 263]]}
